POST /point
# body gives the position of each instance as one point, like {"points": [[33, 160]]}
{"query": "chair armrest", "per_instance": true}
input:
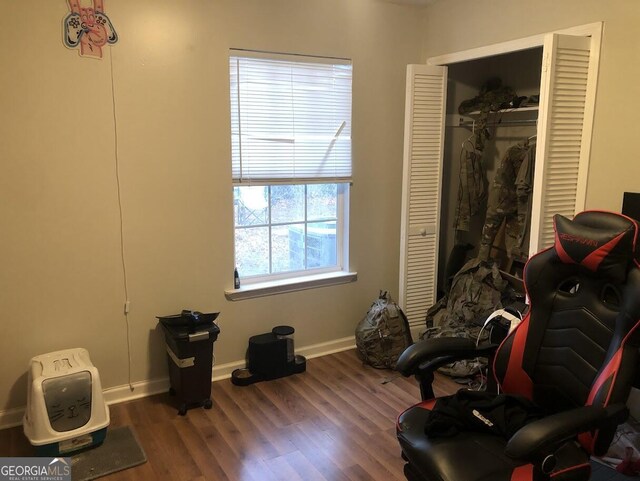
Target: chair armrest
{"points": [[541, 438], [431, 354]]}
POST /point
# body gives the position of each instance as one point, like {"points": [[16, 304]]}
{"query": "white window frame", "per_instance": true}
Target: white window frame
{"points": [[342, 254], [263, 285]]}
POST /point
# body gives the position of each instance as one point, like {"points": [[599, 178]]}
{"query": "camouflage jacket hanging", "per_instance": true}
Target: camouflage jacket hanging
{"points": [[472, 194], [510, 201]]}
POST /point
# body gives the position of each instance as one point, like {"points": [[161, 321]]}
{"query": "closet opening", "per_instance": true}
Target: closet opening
{"points": [[559, 70], [489, 186]]}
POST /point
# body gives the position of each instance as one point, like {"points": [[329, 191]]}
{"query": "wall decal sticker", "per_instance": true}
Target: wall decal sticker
{"points": [[88, 28]]}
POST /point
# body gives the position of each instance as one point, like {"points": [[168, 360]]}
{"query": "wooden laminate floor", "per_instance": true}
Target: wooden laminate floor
{"points": [[335, 422]]}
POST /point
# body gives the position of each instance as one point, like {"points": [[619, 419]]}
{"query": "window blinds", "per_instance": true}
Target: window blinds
{"points": [[290, 119]]}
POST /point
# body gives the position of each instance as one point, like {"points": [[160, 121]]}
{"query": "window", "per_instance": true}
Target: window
{"points": [[291, 164]]}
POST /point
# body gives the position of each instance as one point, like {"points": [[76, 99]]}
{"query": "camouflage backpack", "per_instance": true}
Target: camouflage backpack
{"points": [[476, 292], [383, 334]]}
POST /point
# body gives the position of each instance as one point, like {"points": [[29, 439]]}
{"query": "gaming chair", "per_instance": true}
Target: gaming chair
{"points": [[575, 355]]}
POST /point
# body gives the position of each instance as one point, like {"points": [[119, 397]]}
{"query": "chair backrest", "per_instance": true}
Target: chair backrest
{"points": [[579, 343]]}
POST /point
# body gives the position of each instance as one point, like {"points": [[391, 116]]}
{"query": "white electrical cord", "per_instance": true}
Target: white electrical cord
{"points": [[513, 320], [482, 375], [513, 323], [124, 264]]}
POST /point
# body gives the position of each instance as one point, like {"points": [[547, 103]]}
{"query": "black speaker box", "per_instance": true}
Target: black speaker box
{"points": [[267, 356], [270, 356]]}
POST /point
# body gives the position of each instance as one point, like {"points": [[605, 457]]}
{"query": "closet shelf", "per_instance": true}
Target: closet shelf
{"points": [[520, 116]]}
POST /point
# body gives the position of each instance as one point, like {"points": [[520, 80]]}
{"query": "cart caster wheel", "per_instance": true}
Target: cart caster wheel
{"points": [[172, 392], [183, 410], [207, 404]]}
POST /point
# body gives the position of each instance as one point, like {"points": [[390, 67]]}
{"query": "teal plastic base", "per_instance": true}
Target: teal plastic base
{"points": [[72, 446]]}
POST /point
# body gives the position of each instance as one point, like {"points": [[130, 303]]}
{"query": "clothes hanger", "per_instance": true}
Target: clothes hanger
{"points": [[469, 142], [531, 139]]}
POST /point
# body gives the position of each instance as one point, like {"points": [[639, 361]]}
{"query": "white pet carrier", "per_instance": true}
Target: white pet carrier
{"points": [[65, 408]]}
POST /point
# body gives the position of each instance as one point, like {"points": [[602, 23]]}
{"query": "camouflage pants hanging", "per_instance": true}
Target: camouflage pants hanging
{"points": [[510, 201], [471, 189]]}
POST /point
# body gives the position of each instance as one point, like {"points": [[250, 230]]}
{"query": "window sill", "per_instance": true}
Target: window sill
{"points": [[271, 288]]}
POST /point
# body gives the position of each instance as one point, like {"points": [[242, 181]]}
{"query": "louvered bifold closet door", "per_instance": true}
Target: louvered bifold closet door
{"points": [[561, 157], [422, 179]]}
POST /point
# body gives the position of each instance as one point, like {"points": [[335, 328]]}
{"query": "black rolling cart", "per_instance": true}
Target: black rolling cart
{"points": [[189, 339]]}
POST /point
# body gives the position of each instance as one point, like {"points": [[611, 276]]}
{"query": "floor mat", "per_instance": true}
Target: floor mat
{"points": [[119, 451]]}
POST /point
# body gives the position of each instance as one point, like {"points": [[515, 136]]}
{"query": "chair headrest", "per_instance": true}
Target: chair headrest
{"points": [[602, 242]]}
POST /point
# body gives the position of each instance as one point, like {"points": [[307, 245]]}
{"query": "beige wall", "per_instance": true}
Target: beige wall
{"points": [[61, 282], [454, 25]]}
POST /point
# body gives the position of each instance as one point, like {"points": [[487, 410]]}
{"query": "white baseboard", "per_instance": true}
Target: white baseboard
{"points": [[326, 348], [13, 417], [137, 390], [223, 371], [10, 418]]}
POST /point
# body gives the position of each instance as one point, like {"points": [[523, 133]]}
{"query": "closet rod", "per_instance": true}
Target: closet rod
{"points": [[471, 123]]}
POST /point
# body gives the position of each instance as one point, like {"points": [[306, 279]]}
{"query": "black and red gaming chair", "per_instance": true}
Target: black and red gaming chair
{"points": [[575, 355]]}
